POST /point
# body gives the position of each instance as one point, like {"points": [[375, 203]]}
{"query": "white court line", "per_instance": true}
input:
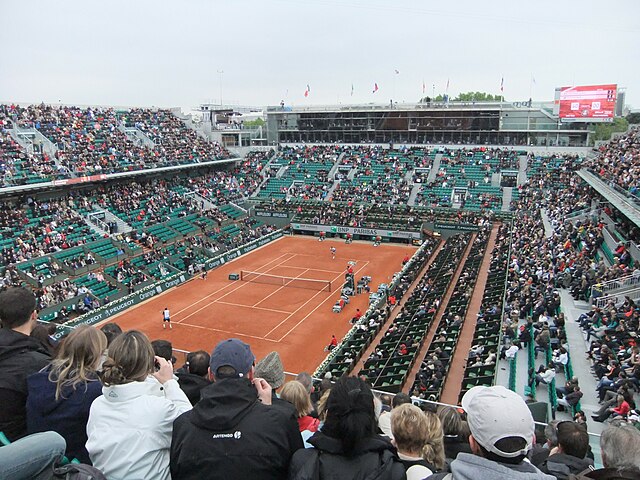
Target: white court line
{"points": [[296, 310], [315, 269], [346, 259], [230, 284], [242, 284], [280, 288], [319, 305], [252, 306], [235, 334]]}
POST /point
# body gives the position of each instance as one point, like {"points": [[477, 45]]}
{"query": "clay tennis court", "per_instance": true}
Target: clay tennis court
{"points": [[296, 322]]}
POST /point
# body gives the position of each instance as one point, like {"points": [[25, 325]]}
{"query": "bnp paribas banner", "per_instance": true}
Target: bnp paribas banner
{"points": [[372, 232]]}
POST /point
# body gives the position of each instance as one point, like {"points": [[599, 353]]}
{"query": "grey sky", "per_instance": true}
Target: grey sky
{"points": [[168, 53]]}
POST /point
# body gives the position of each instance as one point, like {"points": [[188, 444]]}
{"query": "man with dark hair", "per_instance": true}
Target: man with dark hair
{"points": [[194, 376], [164, 349], [233, 431], [502, 431], [569, 456], [20, 356], [111, 330]]}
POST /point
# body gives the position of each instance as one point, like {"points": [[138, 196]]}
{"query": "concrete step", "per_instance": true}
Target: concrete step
{"points": [[414, 193], [434, 169]]}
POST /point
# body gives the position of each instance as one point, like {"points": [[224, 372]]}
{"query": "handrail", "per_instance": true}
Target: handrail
{"points": [[616, 298], [614, 284]]}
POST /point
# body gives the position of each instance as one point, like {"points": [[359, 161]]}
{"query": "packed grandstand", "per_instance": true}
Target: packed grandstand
{"points": [[548, 222]]}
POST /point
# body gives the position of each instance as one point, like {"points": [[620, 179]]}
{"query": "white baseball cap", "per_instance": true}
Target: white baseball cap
{"points": [[494, 413]]}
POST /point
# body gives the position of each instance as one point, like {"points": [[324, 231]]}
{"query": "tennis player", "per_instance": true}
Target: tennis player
{"points": [[166, 318], [333, 252]]}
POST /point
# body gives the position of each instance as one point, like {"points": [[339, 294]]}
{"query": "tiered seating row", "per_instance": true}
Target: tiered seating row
{"points": [[487, 332], [443, 346], [388, 368]]}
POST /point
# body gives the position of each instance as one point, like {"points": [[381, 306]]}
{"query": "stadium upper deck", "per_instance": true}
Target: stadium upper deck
{"points": [[481, 123]]}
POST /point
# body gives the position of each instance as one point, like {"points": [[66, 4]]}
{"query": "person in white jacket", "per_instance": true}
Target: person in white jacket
{"points": [[130, 425], [545, 375]]}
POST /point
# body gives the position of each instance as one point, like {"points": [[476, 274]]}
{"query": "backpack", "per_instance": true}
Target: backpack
{"points": [[77, 471]]}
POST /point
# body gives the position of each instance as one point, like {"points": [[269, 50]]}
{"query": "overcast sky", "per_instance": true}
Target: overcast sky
{"points": [[170, 53]]}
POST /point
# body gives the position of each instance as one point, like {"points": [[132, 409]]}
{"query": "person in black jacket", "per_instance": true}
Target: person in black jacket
{"points": [[569, 457], [20, 356], [194, 375], [233, 431], [348, 446]]}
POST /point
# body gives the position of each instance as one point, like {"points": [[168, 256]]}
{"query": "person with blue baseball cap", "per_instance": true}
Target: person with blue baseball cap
{"points": [[233, 431]]}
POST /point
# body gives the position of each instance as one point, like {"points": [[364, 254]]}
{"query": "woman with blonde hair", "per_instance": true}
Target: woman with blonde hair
{"points": [[418, 437], [295, 393], [433, 451], [61, 394], [130, 425]]}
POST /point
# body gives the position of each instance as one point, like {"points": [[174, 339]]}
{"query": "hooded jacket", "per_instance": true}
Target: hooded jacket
{"points": [[561, 465], [68, 415], [20, 356], [607, 474], [191, 384], [129, 429], [374, 459], [473, 467], [230, 434]]}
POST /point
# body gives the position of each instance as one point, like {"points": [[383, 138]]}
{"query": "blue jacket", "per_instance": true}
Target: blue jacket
{"points": [[68, 415]]}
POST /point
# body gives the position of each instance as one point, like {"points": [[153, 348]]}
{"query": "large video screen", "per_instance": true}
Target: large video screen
{"points": [[592, 103]]}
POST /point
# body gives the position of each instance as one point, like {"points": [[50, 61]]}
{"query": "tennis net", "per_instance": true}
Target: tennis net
{"points": [[295, 282]]}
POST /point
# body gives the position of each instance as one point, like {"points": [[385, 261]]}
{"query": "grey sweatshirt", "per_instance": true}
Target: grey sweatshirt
{"points": [[473, 467]]}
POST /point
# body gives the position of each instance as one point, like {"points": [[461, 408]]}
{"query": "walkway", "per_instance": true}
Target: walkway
{"points": [[383, 330], [436, 320], [453, 382]]}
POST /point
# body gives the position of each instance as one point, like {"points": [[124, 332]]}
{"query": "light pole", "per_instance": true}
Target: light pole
{"points": [[221, 72]]}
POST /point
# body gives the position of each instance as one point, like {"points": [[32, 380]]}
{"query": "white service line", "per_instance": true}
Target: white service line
{"points": [[296, 310], [235, 334], [312, 311], [252, 306], [280, 288], [242, 284]]}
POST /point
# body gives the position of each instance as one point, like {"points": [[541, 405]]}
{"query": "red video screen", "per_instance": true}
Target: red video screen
{"points": [[588, 102]]}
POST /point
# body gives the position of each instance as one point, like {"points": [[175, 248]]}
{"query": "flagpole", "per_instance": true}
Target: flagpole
{"points": [[529, 110], [394, 84]]}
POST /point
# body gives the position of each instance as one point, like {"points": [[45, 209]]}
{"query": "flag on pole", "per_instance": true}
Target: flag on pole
{"points": [[375, 87], [502, 85], [423, 86], [307, 91], [447, 89], [352, 89]]}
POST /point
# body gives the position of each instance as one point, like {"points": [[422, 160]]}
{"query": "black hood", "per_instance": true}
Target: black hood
{"points": [[192, 380], [332, 445], [224, 404], [13, 343]]}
